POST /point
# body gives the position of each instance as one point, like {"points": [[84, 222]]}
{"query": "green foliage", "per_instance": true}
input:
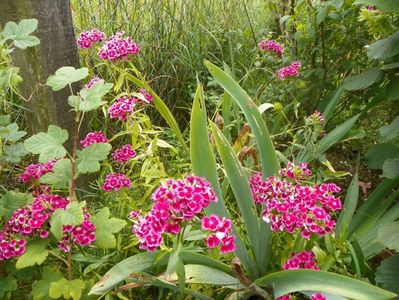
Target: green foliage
{"points": [[36, 253], [90, 99], [65, 76], [72, 215], [7, 284], [89, 158], [11, 133], [67, 289], [384, 5], [11, 201], [48, 145], [391, 168], [61, 175], [387, 274], [106, 227], [40, 288], [363, 80], [20, 33], [379, 153]]}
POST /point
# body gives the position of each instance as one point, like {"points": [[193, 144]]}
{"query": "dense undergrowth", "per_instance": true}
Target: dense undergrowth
{"points": [[237, 150]]}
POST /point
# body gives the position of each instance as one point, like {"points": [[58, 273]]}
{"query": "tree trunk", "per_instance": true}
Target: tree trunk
{"points": [[57, 48]]}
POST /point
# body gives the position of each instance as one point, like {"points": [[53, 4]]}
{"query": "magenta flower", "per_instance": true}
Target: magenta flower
{"points": [[122, 107], [175, 202], [93, 81], [87, 39], [93, 138], [117, 47], [271, 45], [147, 96], [35, 171], [318, 297], [124, 154], [116, 181], [291, 206], [82, 235], [301, 260], [291, 70], [221, 233]]}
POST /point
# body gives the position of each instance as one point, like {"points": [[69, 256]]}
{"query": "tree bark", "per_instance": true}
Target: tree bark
{"points": [[57, 48]]}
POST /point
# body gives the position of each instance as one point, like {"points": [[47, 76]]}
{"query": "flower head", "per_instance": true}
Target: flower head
{"points": [[87, 39], [35, 171], [93, 138], [122, 107], [291, 70], [220, 229], [271, 45], [147, 96], [124, 154], [118, 47], [116, 181], [301, 260]]}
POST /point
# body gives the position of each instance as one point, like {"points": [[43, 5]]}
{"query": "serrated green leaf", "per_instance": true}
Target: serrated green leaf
{"points": [[61, 175], [379, 153], [11, 133], [4, 120], [71, 215], [20, 33], [25, 41], [90, 98], [40, 289], [390, 168], [384, 48], [390, 131], [106, 228], [11, 201], [89, 158], [387, 274], [65, 76], [36, 253], [67, 289], [363, 80], [14, 152], [48, 145]]}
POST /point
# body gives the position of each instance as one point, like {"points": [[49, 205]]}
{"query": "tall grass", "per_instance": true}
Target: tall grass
{"points": [[177, 35]]}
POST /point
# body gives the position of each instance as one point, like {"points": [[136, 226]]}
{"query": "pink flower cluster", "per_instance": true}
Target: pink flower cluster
{"points": [[175, 201], [116, 181], [87, 39], [301, 260], [317, 118], [122, 107], [271, 45], [82, 234], [93, 138], [291, 206], [93, 81], [35, 171], [294, 172], [221, 233], [147, 96], [118, 47], [29, 221], [124, 154], [291, 70]]}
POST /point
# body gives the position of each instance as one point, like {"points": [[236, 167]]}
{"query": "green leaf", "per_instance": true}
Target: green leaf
{"points": [[390, 168], [90, 98], [11, 201], [388, 6], [390, 131], [36, 253], [48, 145], [141, 262], [388, 235], [385, 48], [61, 175], [379, 153], [9, 77], [67, 289], [388, 273], [20, 33], [40, 289], [14, 152], [204, 165], [72, 215], [350, 203], [4, 120], [89, 158], [242, 192], [268, 157], [199, 274], [290, 281], [106, 227], [65, 76], [7, 284], [328, 105], [11, 133], [363, 80]]}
